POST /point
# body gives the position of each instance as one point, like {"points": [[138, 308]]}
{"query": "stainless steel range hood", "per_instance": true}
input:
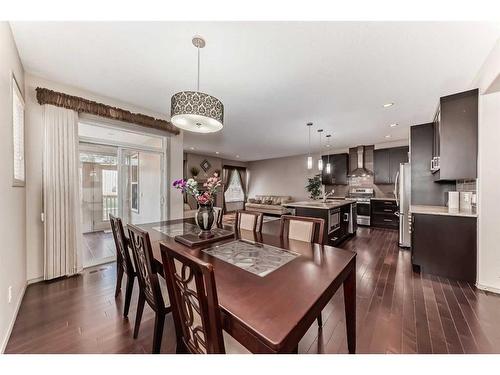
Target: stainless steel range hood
{"points": [[360, 171]]}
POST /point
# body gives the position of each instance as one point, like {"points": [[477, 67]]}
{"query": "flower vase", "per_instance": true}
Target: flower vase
{"points": [[205, 219]]}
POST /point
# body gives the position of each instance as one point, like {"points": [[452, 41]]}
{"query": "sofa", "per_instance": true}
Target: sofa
{"points": [[268, 204]]}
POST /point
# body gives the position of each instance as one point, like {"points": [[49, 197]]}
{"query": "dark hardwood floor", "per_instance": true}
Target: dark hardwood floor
{"points": [[398, 311]]}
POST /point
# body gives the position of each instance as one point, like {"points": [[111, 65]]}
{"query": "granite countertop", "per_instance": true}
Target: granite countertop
{"points": [[440, 210], [320, 205], [383, 199]]}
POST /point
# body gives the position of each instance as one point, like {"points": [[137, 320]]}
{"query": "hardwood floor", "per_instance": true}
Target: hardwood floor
{"points": [[398, 311]]}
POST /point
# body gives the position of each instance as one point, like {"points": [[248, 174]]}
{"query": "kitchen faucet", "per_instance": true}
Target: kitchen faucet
{"points": [[325, 196]]}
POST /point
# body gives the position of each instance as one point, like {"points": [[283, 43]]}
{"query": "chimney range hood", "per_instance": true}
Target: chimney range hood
{"points": [[360, 171]]}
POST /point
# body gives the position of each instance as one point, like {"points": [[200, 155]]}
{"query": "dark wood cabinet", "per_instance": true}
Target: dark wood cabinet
{"points": [[384, 214], [386, 164], [455, 137], [339, 168], [445, 245], [424, 190]]}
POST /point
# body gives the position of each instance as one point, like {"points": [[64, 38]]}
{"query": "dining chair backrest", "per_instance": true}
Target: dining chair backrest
{"points": [[301, 228], [193, 297], [121, 244], [146, 272], [218, 217], [249, 220]]}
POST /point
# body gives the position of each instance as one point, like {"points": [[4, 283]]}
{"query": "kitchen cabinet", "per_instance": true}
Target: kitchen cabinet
{"points": [[444, 245], [339, 167], [386, 164], [454, 154], [384, 214]]}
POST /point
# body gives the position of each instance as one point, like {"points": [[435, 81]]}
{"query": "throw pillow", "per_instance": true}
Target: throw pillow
{"points": [[252, 200], [258, 201], [268, 201]]}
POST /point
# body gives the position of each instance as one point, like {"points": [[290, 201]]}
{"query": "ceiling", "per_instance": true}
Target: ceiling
{"points": [[273, 77]]}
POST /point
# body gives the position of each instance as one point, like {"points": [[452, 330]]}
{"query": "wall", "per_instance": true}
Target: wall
{"points": [[34, 133], [13, 199], [489, 174]]}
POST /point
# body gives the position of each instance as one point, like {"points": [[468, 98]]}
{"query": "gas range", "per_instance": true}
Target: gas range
{"points": [[362, 196]]}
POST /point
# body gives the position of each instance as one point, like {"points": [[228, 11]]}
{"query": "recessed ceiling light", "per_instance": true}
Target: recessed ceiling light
{"points": [[393, 125], [387, 105], [217, 152], [191, 148], [237, 156], [388, 136]]}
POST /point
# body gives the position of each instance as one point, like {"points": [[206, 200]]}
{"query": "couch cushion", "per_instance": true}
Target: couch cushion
{"points": [[276, 199]]}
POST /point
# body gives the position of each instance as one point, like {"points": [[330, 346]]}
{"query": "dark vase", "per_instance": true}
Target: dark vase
{"points": [[205, 219]]}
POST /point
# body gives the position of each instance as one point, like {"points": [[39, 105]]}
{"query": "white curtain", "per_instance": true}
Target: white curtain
{"points": [[62, 237]]}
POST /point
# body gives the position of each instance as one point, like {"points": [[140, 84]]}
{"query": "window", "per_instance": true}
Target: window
{"points": [[134, 182], [18, 134], [234, 192]]}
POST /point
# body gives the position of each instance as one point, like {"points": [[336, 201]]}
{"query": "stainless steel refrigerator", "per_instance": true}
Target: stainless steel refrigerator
{"points": [[402, 190]]}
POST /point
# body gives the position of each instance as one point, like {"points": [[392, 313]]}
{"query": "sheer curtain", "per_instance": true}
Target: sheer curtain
{"points": [[62, 234]]}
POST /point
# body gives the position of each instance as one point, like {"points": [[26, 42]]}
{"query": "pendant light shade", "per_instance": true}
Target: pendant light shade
{"points": [[309, 162], [328, 165], [196, 111], [320, 160], [309, 157]]}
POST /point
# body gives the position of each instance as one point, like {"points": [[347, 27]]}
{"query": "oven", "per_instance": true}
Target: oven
{"points": [[363, 212], [333, 220]]}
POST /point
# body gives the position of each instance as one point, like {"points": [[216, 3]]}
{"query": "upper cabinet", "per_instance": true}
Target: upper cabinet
{"points": [[339, 167], [455, 137], [386, 164]]}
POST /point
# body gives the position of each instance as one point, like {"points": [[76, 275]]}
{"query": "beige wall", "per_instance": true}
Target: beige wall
{"points": [[489, 175], [13, 199], [34, 133]]}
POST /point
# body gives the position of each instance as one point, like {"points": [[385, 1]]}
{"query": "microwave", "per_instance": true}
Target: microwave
{"points": [[334, 220]]}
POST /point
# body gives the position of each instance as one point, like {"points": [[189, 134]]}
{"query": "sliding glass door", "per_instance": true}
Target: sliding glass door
{"points": [[121, 173]]}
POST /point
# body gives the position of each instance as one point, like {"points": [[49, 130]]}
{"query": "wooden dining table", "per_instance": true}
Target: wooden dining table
{"points": [[271, 314]]}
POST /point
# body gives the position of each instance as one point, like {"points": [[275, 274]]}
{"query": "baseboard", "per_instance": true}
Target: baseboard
{"points": [[36, 280], [488, 288], [13, 320]]}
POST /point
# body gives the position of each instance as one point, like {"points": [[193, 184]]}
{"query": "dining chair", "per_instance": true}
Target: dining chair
{"points": [[306, 229], [149, 284], [302, 228], [124, 263], [195, 307], [249, 220]]}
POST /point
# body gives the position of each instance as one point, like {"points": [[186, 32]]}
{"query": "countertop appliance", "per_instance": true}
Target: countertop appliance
{"points": [[333, 220], [402, 193], [362, 197]]}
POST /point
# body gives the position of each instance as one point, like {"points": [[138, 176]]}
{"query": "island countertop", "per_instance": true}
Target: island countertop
{"points": [[320, 205]]}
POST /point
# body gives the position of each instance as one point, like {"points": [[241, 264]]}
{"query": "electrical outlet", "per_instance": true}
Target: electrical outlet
{"points": [[10, 294]]}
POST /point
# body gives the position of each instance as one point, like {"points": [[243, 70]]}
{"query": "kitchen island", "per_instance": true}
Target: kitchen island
{"points": [[339, 216]]}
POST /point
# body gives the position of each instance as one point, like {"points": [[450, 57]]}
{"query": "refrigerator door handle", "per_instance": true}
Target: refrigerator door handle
{"points": [[396, 188]]}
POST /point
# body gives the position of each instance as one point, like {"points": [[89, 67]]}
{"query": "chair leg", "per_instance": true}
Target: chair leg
{"points": [[119, 277], [128, 294], [138, 316], [320, 320], [158, 332]]}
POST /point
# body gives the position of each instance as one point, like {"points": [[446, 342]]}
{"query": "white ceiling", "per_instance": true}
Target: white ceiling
{"points": [[272, 77]]}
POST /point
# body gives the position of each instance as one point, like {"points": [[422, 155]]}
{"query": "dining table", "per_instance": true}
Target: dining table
{"points": [[268, 308]]}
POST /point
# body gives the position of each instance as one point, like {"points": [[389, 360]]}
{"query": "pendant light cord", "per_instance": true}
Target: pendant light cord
{"points": [[198, 85]]}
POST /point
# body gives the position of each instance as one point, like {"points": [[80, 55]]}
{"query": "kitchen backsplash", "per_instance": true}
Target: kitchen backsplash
{"points": [[382, 191], [467, 185]]}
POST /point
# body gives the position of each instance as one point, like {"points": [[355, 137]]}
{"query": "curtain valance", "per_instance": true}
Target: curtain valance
{"points": [[75, 103]]}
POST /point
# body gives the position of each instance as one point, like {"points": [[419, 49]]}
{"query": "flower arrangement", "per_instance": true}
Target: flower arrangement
{"points": [[190, 186]]}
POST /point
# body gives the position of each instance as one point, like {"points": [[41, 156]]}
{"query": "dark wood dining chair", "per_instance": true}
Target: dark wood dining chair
{"points": [[248, 220], [149, 284], [124, 264], [218, 216], [306, 229], [195, 307], [302, 228]]}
